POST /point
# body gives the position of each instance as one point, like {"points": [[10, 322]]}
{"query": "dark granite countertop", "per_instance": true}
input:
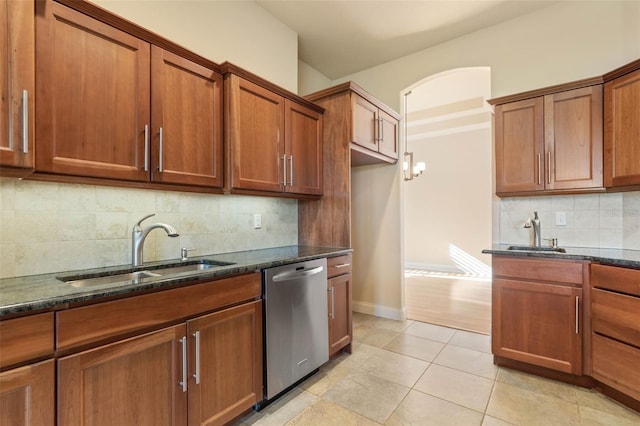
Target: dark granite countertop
{"points": [[613, 257], [46, 291]]}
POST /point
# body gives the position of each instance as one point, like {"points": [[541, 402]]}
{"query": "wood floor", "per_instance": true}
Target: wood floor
{"points": [[456, 302]]}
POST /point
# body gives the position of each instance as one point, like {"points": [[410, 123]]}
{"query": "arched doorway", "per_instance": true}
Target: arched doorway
{"points": [[447, 210]]}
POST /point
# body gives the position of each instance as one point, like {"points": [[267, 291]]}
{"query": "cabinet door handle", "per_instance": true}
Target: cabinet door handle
{"points": [[25, 121], [380, 127], [539, 169], [291, 170], [196, 374], [183, 383], [160, 151], [549, 167], [146, 147], [284, 170], [333, 306], [577, 306]]}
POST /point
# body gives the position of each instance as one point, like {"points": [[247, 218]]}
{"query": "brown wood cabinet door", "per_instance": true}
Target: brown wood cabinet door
{"points": [[255, 140], [226, 368], [339, 312], [17, 83], [363, 128], [93, 96], [622, 130], [132, 382], [303, 142], [27, 395], [388, 135], [519, 146], [536, 323], [186, 121], [573, 139]]}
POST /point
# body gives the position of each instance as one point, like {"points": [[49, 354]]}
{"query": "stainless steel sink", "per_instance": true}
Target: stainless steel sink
{"points": [[128, 276], [537, 249]]}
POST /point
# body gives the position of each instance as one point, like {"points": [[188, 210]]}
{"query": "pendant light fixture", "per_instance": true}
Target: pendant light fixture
{"points": [[409, 169]]}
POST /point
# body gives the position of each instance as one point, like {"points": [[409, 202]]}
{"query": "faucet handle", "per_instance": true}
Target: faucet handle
{"points": [[145, 218], [553, 242]]}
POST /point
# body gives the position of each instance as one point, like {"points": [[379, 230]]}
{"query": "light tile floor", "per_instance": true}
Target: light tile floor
{"points": [[413, 373]]}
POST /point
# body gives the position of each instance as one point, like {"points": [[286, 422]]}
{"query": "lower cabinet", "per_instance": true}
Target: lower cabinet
{"points": [[339, 300], [537, 312], [27, 395], [205, 371]]}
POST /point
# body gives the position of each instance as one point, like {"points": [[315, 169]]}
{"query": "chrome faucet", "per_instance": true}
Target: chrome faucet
{"points": [[138, 235], [534, 239]]}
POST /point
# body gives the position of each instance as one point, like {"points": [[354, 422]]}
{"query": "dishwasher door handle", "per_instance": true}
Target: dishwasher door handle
{"points": [[292, 275]]}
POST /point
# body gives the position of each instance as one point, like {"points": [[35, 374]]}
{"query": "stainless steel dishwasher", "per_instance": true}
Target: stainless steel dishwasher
{"points": [[296, 324]]}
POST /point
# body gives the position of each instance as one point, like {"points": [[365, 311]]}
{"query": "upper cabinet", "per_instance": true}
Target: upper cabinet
{"points": [[96, 86], [551, 143], [17, 100], [371, 126], [622, 127], [273, 138]]}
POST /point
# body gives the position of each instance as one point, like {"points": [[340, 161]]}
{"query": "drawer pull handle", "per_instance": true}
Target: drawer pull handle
{"points": [[577, 305], [183, 383], [196, 375], [342, 265]]}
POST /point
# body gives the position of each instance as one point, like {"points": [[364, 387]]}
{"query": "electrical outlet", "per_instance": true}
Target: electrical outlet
{"points": [[561, 218], [257, 221]]}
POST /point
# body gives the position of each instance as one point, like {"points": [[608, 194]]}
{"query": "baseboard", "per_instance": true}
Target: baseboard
{"points": [[379, 310], [433, 267]]}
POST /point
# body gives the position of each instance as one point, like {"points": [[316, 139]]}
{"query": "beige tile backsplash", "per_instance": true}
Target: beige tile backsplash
{"points": [[53, 227], [593, 220]]}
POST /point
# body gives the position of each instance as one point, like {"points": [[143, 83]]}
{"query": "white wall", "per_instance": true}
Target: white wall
{"points": [[240, 32], [310, 80], [562, 43]]}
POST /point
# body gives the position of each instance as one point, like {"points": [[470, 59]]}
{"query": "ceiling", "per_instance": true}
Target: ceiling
{"points": [[342, 37]]}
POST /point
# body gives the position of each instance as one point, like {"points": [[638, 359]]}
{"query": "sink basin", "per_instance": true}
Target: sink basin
{"points": [[128, 276], [537, 249]]}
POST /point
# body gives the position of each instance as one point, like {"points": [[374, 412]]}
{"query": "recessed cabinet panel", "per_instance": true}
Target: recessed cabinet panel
{"points": [[622, 131], [17, 87], [304, 146], [388, 143], [93, 96], [573, 139], [519, 146], [186, 101], [364, 123], [255, 124], [27, 395]]}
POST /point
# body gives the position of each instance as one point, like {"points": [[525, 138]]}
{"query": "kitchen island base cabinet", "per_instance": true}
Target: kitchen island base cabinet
{"points": [[27, 395], [537, 312]]}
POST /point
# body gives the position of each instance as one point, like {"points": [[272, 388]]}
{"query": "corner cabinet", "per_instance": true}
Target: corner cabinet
{"points": [[96, 84], [206, 368], [17, 84], [27, 380], [537, 315], [339, 300], [551, 143], [622, 127], [273, 138]]}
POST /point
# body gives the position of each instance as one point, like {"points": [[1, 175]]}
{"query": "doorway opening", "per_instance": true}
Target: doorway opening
{"points": [[447, 210]]}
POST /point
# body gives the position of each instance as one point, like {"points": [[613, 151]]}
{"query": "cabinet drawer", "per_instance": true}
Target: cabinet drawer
{"points": [[616, 315], [26, 338], [615, 278], [339, 265], [564, 271], [617, 365], [108, 320]]}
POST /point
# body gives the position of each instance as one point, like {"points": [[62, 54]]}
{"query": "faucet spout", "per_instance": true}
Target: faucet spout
{"points": [[536, 230], [139, 234]]}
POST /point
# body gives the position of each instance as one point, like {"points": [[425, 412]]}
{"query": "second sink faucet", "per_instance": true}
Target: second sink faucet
{"points": [[535, 224], [138, 235]]}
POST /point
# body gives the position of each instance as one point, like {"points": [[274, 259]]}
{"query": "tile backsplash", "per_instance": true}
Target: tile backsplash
{"points": [[609, 220], [53, 227]]}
